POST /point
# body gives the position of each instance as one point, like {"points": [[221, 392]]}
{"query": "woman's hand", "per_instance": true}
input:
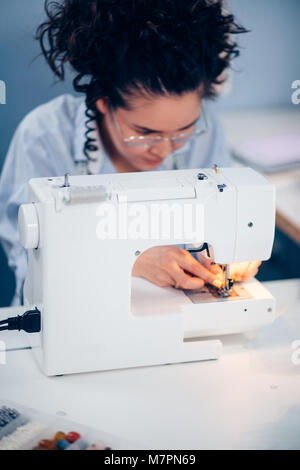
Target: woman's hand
{"points": [[240, 272], [172, 266]]}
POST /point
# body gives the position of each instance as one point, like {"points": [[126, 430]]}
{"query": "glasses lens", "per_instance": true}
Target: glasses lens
{"points": [[150, 142], [183, 138], [141, 141], [138, 144]]}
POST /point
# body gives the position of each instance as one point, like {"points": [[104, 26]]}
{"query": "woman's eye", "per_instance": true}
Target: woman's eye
{"points": [[147, 132]]}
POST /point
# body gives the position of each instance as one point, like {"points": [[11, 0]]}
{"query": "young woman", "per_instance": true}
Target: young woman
{"points": [[147, 69]]}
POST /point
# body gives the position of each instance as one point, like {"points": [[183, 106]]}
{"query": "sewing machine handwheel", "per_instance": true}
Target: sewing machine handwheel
{"points": [[28, 226]]}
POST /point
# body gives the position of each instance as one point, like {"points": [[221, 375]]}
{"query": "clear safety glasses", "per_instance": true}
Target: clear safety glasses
{"points": [[149, 141]]}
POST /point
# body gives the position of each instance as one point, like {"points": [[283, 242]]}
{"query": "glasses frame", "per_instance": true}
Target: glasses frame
{"points": [[139, 140]]}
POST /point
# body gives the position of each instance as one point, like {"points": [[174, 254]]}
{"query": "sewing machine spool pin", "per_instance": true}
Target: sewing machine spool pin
{"points": [[66, 182]]}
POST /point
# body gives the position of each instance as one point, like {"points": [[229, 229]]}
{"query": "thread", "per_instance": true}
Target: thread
{"points": [[21, 435]]}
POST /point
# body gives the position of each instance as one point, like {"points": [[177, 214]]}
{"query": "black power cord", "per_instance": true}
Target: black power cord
{"points": [[30, 322]]}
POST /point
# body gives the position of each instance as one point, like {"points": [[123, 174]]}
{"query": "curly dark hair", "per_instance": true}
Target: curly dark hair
{"points": [[152, 47]]}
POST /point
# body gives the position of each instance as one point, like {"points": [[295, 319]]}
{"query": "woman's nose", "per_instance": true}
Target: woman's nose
{"points": [[162, 149]]}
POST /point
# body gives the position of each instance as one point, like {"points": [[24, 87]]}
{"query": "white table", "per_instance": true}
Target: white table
{"points": [[250, 398], [241, 126]]}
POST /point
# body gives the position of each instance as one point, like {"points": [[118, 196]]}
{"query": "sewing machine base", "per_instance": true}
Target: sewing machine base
{"points": [[250, 306], [184, 351], [173, 325]]}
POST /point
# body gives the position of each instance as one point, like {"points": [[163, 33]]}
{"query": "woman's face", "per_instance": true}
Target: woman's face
{"points": [[162, 115]]}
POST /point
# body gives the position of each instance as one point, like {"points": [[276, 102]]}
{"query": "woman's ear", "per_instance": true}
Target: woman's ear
{"points": [[101, 104]]}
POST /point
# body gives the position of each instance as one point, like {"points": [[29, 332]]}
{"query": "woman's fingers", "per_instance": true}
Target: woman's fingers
{"points": [[163, 279], [189, 264], [173, 266], [251, 270], [183, 280], [243, 271], [209, 264]]}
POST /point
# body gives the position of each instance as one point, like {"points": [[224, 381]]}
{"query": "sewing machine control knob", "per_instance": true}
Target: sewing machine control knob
{"points": [[28, 226], [221, 187]]}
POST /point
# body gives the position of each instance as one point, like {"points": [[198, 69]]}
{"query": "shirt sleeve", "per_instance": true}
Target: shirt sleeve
{"points": [[218, 150], [36, 150]]}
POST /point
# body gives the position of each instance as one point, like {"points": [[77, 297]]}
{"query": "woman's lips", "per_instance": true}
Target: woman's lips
{"points": [[153, 161]]}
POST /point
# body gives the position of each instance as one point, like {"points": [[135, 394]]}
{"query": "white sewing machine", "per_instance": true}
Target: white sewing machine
{"points": [[83, 236]]}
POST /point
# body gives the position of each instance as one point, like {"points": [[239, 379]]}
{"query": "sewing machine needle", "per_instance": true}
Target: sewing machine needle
{"points": [[227, 277]]}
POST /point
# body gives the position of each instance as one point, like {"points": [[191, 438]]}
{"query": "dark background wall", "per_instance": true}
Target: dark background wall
{"points": [[263, 75]]}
